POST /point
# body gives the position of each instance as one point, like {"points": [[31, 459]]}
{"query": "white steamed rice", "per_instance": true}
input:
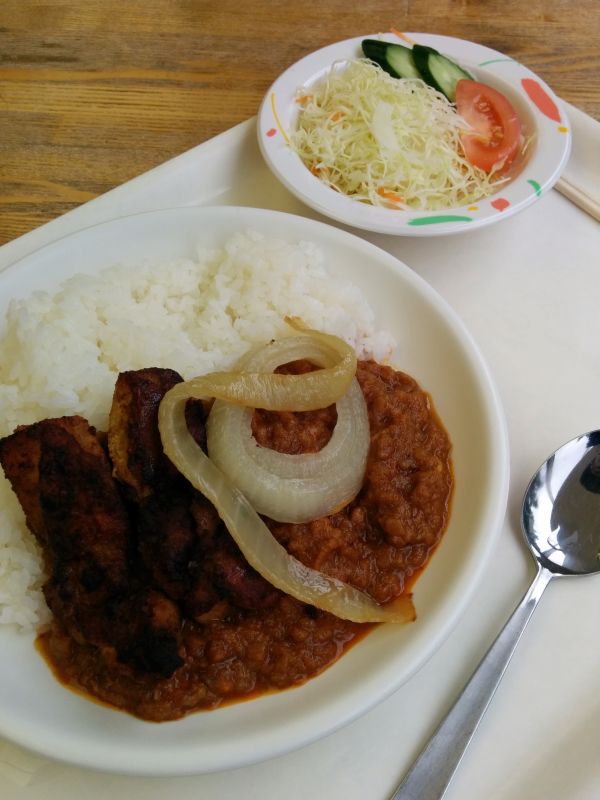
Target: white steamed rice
{"points": [[61, 353]]}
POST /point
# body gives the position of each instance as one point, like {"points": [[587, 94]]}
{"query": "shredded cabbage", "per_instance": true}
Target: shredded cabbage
{"points": [[390, 142]]}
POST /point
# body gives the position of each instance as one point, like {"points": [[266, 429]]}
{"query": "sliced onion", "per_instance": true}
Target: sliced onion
{"points": [[306, 392], [262, 551], [300, 487]]}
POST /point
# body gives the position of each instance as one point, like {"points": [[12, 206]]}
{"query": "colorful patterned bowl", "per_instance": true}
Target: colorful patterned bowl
{"points": [[542, 114]]}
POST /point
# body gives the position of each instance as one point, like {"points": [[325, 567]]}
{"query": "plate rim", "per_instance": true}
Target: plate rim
{"points": [[485, 544]]}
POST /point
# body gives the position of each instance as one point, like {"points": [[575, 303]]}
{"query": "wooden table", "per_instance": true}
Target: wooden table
{"points": [[93, 93]]}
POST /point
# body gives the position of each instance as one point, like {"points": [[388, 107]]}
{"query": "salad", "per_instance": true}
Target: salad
{"points": [[407, 128]]}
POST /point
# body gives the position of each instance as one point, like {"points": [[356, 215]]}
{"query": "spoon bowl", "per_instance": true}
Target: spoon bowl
{"points": [[561, 509], [561, 523]]}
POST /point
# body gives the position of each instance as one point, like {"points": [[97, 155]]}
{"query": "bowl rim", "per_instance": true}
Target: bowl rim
{"points": [[549, 155]]}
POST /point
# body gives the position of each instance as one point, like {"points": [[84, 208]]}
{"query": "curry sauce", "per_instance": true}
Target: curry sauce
{"points": [[203, 628]]}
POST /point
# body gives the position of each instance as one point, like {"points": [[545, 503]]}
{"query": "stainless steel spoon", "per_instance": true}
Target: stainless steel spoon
{"points": [[561, 522]]}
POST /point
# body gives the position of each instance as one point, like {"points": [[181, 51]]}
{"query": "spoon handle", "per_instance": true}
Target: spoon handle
{"points": [[431, 773]]}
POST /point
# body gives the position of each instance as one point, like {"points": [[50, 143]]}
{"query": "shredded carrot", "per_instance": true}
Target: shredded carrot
{"points": [[401, 35], [393, 197], [336, 116], [303, 99]]}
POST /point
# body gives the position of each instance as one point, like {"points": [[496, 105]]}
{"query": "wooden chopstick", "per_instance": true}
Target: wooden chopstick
{"points": [[581, 199]]}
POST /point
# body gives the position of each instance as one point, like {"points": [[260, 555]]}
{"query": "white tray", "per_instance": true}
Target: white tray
{"points": [[528, 291]]}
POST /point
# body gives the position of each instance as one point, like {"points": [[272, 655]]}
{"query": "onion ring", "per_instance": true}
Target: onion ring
{"points": [[301, 487]]}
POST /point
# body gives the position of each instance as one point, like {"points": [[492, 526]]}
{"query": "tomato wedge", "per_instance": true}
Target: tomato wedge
{"points": [[494, 134]]}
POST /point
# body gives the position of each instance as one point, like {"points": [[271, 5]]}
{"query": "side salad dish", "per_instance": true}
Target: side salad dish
{"points": [[407, 128]]}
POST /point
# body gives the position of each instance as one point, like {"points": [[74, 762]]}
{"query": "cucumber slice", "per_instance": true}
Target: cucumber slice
{"points": [[395, 59], [439, 71], [401, 59], [421, 55], [420, 62], [446, 74]]}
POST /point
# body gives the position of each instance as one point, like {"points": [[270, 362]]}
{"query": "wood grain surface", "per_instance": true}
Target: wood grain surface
{"points": [[94, 92]]}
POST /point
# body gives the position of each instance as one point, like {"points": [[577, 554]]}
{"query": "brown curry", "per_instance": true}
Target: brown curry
{"points": [[155, 610]]}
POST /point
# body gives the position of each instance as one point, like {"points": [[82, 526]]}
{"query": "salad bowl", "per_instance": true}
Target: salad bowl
{"points": [[546, 138]]}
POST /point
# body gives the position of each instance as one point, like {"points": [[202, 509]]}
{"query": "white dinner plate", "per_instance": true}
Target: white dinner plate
{"points": [[542, 114], [433, 345]]}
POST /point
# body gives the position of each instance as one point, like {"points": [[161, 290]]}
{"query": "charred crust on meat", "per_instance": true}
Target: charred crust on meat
{"points": [[131, 549], [63, 479], [133, 437]]}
